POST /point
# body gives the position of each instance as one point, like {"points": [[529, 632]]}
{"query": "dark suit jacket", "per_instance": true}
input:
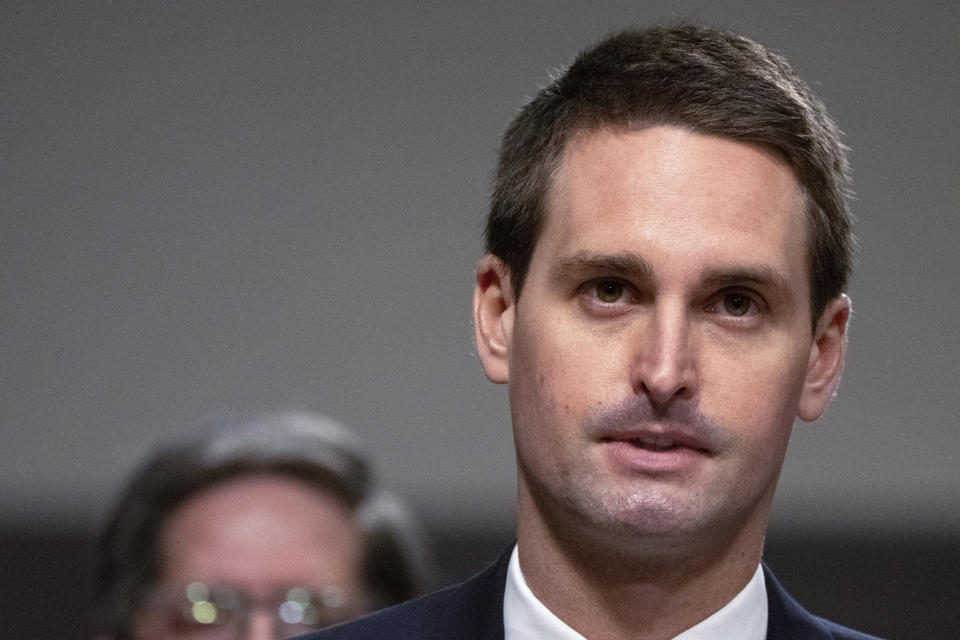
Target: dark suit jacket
{"points": [[473, 610]]}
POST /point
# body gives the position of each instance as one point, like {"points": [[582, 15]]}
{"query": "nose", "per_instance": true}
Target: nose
{"points": [[260, 626], [664, 368]]}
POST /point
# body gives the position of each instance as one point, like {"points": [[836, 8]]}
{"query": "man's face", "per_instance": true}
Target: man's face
{"points": [[250, 541], [661, 346]]}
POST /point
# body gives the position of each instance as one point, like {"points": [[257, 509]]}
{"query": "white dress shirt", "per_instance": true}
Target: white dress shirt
{"points": [[526, 618]]}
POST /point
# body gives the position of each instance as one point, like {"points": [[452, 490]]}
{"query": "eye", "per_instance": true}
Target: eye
{"points": [[607, 297], [736, 304], [609, 291]]}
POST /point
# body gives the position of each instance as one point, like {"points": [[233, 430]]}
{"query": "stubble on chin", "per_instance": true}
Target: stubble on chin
{"points": [[641, 510]]}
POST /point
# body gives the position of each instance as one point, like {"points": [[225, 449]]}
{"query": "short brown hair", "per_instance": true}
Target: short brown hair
{"points": [[701, 79]]}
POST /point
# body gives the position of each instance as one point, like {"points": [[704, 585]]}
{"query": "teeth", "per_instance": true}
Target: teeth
{"points": [[653, 443], [664, 441]]}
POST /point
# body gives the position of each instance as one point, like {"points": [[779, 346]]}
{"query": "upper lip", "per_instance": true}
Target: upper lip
{"points": [[661, 437]]}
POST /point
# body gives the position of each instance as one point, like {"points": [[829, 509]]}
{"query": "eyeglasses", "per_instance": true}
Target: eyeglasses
{"points": [[200, 612]]}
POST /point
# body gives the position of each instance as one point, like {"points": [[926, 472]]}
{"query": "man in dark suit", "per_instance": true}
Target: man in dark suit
{"points": [[668, 249]]}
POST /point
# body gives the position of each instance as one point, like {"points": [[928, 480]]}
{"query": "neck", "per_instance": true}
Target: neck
{"points": [[637, 589]]}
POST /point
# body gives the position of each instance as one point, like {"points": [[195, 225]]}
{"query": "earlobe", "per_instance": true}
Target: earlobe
{"points": [[827, 356], [493, 308]]}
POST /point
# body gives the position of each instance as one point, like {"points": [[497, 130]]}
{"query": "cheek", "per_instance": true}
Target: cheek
{"points": [[756, 393], [556, 376], [535, 391], [544, 397]]}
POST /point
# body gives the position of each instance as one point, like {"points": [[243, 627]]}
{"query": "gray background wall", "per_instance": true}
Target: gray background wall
{"points": [[219, 205]]}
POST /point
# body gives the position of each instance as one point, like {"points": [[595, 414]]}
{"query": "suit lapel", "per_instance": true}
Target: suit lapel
{"points": [[786, 619], [475, 608]]}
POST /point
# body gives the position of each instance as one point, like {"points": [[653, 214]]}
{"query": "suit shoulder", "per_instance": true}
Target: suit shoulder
{"points": [[471, 609], [788, 620], [839, 632]]}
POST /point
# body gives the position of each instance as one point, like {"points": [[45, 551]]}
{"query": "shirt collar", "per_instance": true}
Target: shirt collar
{"points": [[526, 618]]}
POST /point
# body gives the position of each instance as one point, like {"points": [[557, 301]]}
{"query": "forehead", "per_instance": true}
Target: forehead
{"points": [[667, 189], [261, 533]]}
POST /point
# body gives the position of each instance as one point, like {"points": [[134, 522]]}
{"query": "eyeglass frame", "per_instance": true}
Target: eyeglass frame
{"points": [[294, 610]]}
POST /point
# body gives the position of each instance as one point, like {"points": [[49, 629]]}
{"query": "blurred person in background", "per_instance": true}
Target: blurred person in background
{"points": [[255, 526]]}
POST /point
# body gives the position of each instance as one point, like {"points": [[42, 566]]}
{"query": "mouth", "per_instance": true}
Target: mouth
{"points": [[658, 442], [655, 454], [654, 443]]}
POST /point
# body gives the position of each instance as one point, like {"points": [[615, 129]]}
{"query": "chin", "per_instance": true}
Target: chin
{"points": [[653, 522]]}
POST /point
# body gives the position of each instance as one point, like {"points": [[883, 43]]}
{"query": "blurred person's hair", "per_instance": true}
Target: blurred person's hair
{"points": [[698, 79], [306, 447]]}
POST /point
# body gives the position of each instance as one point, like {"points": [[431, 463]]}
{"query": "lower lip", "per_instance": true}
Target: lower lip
{"points": [[635, 459]]}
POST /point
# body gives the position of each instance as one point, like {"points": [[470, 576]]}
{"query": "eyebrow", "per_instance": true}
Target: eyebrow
{"points": [[761, 275], [627, 264], [634, 265]]}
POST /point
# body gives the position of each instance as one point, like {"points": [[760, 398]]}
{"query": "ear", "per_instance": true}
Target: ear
{"points": [[493, 309], [827, 355]]}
